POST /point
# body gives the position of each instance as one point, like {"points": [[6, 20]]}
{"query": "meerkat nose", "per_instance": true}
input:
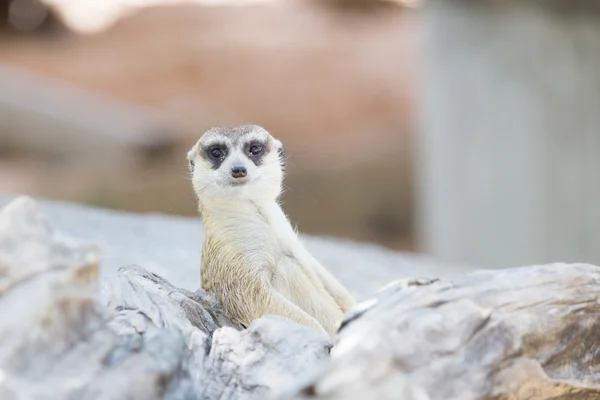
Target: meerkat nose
{"points": [[239, 171]]}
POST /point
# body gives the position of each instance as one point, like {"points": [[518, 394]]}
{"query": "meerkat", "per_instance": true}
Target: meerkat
{"points": [[252, 259]]}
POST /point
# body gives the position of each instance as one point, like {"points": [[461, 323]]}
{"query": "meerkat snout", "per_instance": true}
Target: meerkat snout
{"points": [[239, 171]]}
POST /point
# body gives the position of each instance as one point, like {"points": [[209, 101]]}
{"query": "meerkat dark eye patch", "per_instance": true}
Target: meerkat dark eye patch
{"points": [[216, 154], [255, 151]]}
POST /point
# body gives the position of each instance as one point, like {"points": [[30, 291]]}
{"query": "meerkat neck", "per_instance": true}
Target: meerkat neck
{"points": [[228, 207], [234, 213]]}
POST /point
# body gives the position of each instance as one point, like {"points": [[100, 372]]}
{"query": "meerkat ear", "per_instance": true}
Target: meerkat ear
{"points": [[190, 158], [282, 154]]}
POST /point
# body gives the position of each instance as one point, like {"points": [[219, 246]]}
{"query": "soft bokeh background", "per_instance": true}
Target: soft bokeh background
{"points": [[464, 130], [100, 100]]}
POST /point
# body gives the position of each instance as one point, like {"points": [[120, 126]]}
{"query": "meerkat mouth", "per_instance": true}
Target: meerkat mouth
{"points": [[240, 181], [237, 183]]}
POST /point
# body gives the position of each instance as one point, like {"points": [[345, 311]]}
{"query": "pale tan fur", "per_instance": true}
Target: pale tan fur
{"points": [[252, 259]]}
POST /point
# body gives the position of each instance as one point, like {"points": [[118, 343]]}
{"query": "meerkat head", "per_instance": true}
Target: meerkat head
{"points": [[243, 162]]}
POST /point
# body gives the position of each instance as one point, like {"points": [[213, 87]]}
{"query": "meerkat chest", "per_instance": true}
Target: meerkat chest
{"points": [[242, 243], [263, 239]]}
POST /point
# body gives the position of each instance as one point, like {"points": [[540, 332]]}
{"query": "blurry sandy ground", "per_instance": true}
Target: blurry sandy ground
{"points": [[337, 89]]}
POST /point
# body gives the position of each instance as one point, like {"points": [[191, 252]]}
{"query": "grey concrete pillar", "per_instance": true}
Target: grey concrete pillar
{"points": [[509, 148]]}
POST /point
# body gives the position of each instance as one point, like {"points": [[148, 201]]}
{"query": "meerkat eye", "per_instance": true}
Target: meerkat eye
{"points": [[216, 153], [255, 150]]}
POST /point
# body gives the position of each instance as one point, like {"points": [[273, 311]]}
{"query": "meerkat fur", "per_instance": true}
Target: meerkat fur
{"points": [[252, 258]]}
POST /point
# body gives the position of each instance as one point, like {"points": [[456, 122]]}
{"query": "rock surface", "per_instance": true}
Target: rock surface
{"points": [[153, 342], [525, 333]]}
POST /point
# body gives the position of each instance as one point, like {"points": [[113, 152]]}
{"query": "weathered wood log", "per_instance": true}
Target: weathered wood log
{"points": [[154, 342], [525, 333], [165, 305]]}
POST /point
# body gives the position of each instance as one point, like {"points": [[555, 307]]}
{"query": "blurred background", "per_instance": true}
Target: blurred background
{"points": [[469, 131], [100, 101]]}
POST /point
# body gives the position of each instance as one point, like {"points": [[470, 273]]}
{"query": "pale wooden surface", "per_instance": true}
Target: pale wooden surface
{"points": [[510, 146], [521, 334], [154, 341]]}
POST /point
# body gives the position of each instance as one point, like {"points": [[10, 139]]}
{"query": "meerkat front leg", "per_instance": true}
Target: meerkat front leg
{"points": [[279, 305], [249, 299], [340, 294]]}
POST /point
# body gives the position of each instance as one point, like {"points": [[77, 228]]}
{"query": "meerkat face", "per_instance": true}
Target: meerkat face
{"points": [[243, 162]]}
